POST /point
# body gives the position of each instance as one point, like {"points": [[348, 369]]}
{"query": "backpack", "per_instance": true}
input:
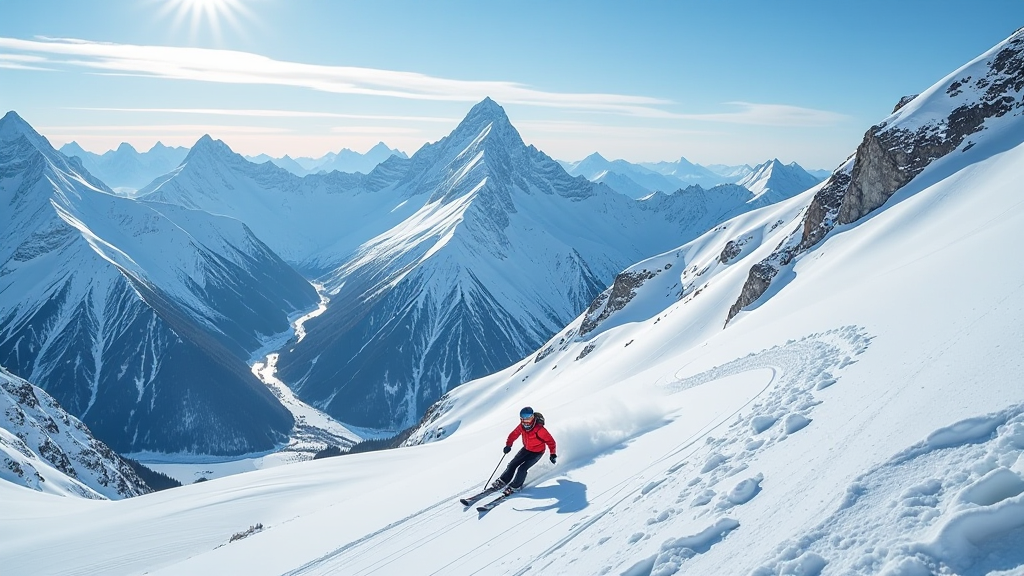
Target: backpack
{"points": [[539, 417]]}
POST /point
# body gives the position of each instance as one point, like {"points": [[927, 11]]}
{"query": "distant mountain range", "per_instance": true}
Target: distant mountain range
{"points": [[639, 180], [126, 168], [344, 161]]}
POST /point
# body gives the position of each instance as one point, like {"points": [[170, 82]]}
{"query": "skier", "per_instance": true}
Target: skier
{"points": [[535, 437]]}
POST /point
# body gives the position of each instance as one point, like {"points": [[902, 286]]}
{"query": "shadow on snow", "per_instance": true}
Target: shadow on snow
{"points": [[569, 497]]}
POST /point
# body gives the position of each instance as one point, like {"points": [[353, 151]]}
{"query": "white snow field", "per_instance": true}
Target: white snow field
{"points": [[866, 416]]}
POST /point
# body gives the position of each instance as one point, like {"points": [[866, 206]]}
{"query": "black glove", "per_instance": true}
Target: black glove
{"points": [[553, 456], [506, 449]]}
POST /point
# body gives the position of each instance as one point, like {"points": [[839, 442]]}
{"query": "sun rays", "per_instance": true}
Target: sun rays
{"points": [[205, 15]]}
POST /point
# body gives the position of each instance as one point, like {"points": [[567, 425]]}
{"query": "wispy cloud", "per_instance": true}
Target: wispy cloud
{"points": [[162, 128], [234, 67], [22, 62], [558, 127], [273, 114], [770, 115]]}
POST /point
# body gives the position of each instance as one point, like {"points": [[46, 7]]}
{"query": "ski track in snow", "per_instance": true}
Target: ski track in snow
{"points": [[702, 469], [703, 474]]}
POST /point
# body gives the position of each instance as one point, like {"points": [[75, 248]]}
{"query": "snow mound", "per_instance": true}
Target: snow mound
{"points": [[962, 513]]}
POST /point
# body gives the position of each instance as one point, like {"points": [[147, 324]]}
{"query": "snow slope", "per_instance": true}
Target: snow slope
{"points": [[864, 417]]}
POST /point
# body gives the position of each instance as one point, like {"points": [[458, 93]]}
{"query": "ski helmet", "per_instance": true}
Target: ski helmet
{"points": [[526, 418]]}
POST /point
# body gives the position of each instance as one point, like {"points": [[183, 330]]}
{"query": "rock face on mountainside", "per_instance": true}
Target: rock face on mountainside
{"points": [[895, 151], [44, 448], [615, 298], [138, 318]]}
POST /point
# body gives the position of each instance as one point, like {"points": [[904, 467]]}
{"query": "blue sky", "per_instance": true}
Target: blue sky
{"points": [[715, 81]]}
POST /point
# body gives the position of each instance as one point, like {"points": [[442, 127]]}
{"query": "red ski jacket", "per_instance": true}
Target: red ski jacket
{"points": [[534, 439]]}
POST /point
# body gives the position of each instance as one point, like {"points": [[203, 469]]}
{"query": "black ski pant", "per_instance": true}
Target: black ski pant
{"points": [[518, 467]]}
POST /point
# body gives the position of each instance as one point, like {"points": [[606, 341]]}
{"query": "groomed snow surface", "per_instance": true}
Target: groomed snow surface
{"points": [[867, 418]]}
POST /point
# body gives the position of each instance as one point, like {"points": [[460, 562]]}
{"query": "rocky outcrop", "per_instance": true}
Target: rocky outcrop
{"points": [[44, 448], [894, 152], [758, 281], [903, 102], [614, 299]]}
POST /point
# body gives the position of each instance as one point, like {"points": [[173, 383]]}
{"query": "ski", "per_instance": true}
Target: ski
{"points": [[470, 500], [490, 505]]}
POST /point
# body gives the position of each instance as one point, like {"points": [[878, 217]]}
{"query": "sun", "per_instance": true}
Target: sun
{"points": [[205, 14]]}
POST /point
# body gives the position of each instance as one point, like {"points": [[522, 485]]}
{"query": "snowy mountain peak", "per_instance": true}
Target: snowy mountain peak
{"points": [[211, 160], [73, 149], [781, 180], [208, 146], [379, 148], [125, 147], [488, 108], [12, 119], [13, 127], [490, 117]]}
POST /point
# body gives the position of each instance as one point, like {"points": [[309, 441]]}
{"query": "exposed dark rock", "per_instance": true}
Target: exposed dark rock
{"points": [[731, 251], [824, 207], [14, 467], [622, 291], [544, 354], [903, 102], [758, 280], [733, 248], [56, 457], [586, 350]]}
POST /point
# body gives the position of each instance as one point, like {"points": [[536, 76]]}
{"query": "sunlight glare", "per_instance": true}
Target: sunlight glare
{"points": [[201, 13]]}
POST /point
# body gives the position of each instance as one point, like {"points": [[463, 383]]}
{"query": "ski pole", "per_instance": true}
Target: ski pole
{"points": [[486, 484]]}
